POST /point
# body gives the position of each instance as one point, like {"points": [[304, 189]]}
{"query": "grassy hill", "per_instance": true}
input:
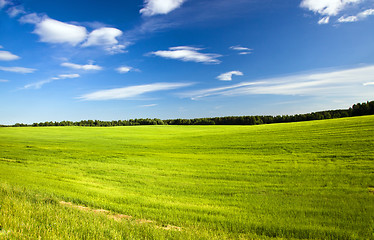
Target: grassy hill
{"points": [[306, 180]]}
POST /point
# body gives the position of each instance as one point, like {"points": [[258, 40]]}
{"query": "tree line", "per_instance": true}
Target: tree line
{"points": [[358, 109]]}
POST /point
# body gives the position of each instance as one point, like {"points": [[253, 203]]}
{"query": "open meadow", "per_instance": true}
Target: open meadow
{"points": [[306, 180]]}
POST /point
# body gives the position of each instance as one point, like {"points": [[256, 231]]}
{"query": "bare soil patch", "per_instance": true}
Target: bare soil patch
{"points": [[119, 217]]}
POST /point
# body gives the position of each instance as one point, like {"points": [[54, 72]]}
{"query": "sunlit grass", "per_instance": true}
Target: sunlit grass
{"points": [[296, 180]]}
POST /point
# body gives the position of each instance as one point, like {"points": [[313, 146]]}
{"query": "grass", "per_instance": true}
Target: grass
{"points": [[308, 180]]}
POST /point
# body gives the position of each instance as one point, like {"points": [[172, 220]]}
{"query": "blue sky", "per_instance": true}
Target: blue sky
{"points": [[110, 60]]}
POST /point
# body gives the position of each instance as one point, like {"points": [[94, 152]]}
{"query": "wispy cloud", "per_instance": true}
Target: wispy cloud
{"points": [[198, 12], [86, 67], [155, 7], [3, 3], [115, 49], [38, 85], [131, 92], [348, 82], [32, 18], [7, 56], [368, 83], [228, 75], [149, 105], [18, 69], [354, 18], [124, 69], [242, 50], [64, 76], [348, 19], [324, 20], [197, 94], [15, 11], [327, 8], [367, 12], [188, 54], [4, 80]]}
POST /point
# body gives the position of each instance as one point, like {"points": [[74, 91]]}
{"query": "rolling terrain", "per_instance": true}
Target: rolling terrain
{"points": [[304, 180]]}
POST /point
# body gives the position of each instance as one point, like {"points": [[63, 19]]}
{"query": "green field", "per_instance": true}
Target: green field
{"points": [[307, 180]]}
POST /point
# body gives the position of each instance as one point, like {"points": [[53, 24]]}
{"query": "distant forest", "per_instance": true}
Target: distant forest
{"points": [[358, 109]]}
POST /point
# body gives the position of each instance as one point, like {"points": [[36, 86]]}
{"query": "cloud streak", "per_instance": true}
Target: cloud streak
{"points": [[188, 54], [149, 105], [38, 85], [348, 82], [18, 69], [86, 67], [242, 50], [368, 84], [354, 18], [131, 92], [124, 69], [8, 56]]}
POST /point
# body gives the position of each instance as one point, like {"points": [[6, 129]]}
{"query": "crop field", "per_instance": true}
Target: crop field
{"points": [[307, 180]]}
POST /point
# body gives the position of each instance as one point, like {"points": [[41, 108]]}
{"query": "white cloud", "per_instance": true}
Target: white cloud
{"points": [[368, 83], [39, 84], [348, 19], [239, 48], [3, 3], [124, 69], [366, 13], [324, 20], [7, 56], [228, 76], [242, 50], [115, 49], [18, 69], [339, 83], [32, 18], [327, 7], [1, 46], [103, 36], [360, 16], [64, 76], [154, 7], [188, 54], [82, 67], [3, 80], [15, 11], [132, 91], [149, 105], [107, 38], [53, 31], [244, 53]]}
